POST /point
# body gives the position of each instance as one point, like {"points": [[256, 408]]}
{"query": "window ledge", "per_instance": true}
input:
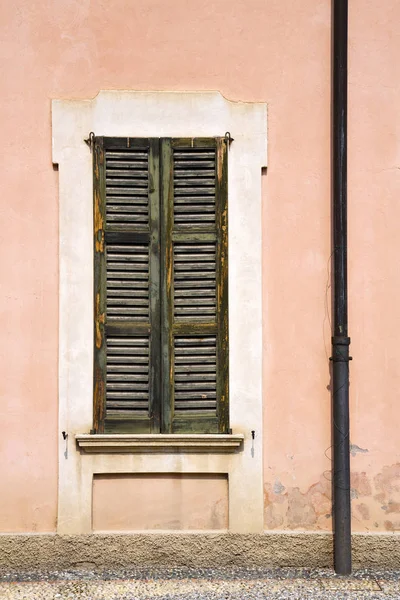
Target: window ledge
{"points": [[161, 443]]}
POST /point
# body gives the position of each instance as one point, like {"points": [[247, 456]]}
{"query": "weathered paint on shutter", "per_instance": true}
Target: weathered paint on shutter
{"points": [[194, 284], [127, 294]]}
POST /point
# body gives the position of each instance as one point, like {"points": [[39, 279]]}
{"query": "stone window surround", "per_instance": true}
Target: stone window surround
{"points": [[159, 114]]}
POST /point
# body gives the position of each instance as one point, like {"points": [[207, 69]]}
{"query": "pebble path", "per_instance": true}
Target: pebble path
{"points": [[198, 584]]}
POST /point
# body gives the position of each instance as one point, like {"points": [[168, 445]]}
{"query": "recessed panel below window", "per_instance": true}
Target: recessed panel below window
{"points": [[135, 502]]}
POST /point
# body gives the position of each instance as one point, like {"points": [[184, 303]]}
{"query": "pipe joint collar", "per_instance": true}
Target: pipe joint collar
{"points": [[340, 340]]}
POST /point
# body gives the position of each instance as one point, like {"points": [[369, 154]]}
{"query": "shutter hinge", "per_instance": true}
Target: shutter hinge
{"points": [[90, 140], [228, 138]]}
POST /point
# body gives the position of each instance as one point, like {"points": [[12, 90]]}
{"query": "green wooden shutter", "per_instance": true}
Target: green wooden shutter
{"points": [[127, 294], [194, 285]]}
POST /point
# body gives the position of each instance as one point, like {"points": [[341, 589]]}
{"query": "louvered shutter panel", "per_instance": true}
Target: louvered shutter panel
{"points": [[127, 294], [194, 276]]}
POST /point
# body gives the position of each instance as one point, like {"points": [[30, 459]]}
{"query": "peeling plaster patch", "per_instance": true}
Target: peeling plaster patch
{"points": [[278, 487], [297, 510], [273, 520], [354, 449], [360, 484], [388, 481], [300, 512], [273, 511], [364, 511], [392, 525], [393, 507], [375, 503]]}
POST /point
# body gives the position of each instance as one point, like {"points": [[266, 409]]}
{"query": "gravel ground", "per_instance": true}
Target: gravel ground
{"points": [[199, 584]]}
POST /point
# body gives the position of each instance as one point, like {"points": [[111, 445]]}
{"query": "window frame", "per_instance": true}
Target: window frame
{"points": [[152, 114]]}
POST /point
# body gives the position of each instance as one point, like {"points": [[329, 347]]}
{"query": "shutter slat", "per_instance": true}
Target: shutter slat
{"points": [[129, 200], [126, 209], [124, 275], [123, 361], [126, 268], [119, 177], [181, 294], [194, 377], [119, 378], [129, 293], [193, 191], [138, 155], [194, 153], [201, 275], [182, 165], [200, 181], [195, 405], [193, 360], [126, 191], [193, 369], [199, 264], [206, 301], [194, 386], [121, 414], [119, 162], [185, 172], [126, 369], [190, 200], [126, 284], [128, 387], [126, 250], [180, 211], [127, 301]]}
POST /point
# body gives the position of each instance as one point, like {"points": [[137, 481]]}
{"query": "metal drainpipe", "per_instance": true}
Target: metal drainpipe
{"points": [[340, 340]]}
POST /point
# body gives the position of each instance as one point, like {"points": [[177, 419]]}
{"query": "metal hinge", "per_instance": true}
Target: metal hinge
{"points": [[90, 140], [228, 139]]}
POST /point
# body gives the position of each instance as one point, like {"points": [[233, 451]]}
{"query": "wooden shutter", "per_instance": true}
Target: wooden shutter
{"points": [[127, 294], [194, 285]]}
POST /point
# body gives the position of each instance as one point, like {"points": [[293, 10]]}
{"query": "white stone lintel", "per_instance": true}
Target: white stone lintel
{"points": [[160, 443]]}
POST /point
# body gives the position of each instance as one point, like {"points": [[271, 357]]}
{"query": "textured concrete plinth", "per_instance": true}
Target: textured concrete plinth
{"points": [[191, 550]]}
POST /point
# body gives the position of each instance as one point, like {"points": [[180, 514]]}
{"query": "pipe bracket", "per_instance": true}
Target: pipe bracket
{"points": [[340, 354]]}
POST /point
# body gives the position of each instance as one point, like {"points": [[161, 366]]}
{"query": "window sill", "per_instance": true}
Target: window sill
{"points": [[159, 443]]}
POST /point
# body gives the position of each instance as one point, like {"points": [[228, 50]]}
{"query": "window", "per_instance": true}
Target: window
{"points": [[166, 115], [160, 279]]}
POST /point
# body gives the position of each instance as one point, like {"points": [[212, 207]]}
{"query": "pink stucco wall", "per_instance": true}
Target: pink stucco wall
{"points": [[276, 51]]}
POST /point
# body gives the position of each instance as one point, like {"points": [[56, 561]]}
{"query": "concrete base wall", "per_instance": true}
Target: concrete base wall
{"points": [[192, 550]]}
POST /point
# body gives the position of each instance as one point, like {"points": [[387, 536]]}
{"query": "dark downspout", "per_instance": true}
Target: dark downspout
{"points": [[340, 339]]}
